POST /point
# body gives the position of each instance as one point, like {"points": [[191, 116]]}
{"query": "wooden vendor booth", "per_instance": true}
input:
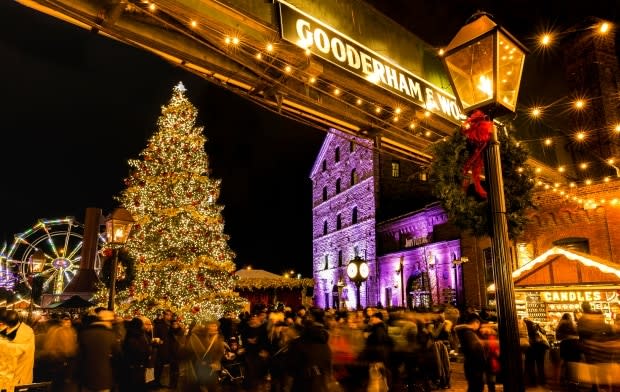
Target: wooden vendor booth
{"points": [[559, 281], [263, 287]]}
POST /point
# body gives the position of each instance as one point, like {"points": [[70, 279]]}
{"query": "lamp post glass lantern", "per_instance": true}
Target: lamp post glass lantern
{"points": [[485, 63], [117, 226], [357, 271]]}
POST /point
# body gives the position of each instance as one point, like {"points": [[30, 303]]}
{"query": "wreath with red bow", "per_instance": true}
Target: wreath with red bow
{"points": [[455, 176]]}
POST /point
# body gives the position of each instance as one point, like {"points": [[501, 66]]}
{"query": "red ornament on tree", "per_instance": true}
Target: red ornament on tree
{"points": [[477, 129], [107, 252], [196, 309], [201, 277], [145, 283]]}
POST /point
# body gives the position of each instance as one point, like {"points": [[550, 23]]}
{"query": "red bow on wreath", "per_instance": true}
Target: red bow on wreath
{"points": [[477, 129]]}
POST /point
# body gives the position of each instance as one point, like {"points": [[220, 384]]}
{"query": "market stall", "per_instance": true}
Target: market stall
{"points": [[559, 281], [263, 287]]}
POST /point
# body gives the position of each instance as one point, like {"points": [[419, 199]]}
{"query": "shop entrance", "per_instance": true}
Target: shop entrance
{"points": [[419, 291]]}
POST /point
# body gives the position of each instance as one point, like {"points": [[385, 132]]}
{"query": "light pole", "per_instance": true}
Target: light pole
{"points": [[357, 271], [401, 267], [37, 262], [455, 264], [485, 63], [117, 226]]}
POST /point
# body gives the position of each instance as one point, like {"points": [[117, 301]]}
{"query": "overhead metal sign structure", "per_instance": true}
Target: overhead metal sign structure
{"points": [[309, 33], [253, 48]]}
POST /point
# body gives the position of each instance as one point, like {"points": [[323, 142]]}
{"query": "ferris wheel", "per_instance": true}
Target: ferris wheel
{"points": [[50, 250]]}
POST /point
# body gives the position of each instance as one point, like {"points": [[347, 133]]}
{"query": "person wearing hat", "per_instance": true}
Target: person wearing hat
{"points": [[99, 350], [473, 351]]}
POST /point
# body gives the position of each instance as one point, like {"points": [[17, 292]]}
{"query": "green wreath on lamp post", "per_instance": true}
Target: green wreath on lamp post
{"points": [[125, 263], [466, 209]]}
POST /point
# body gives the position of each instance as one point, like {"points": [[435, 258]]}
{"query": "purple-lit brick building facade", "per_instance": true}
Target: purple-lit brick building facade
{"points": [[379, 207]]}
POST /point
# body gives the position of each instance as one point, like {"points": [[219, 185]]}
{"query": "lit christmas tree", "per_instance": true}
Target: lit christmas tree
{"points": [[183, 261]]}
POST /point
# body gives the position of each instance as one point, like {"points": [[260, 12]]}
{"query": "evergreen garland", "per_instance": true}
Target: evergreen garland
{"points": [[124, 260], [464, 207]]}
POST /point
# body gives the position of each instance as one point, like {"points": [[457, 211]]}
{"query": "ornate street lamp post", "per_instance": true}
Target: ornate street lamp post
{"points": [[485, 63], [37, 262], [357, 271], [117, 226]]}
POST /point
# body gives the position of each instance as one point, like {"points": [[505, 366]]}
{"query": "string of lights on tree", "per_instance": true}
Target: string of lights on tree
{"points": [[394, 118], [183, 261]]}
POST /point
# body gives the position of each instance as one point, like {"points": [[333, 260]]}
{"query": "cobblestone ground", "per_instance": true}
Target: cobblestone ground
{"points": [[459, 384]]}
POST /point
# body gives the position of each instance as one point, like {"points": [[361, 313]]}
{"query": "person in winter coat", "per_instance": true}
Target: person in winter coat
{"points": [[378, 343], [488, 334], [21, 336], [137, 353], [99, 349], [535, 354], [163, 340], [205, 347], [58, 355], [310, 356], [473, 351]]}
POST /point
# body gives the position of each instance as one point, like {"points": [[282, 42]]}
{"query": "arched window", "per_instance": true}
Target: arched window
{"points": [[338, 186], [340, 258], [324, 227], [354, 216], [338, 222], [324, 165], [353, 177], [326, 262], [324, 193], [337, 155], [579, 244]]}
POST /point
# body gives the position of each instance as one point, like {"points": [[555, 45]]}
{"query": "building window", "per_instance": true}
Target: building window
{"points": [[324, 193], [340, 258], [324, 165], [326, 262], [351, 146], [355, 251], [579, 244], [337, 155], [338, 186], [423, 176], [353, 177], [395, 169], [324, 227], [338, 222], [354, 216]]}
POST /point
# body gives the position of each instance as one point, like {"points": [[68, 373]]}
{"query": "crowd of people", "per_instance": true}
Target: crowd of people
{"points": [[280, 350]]}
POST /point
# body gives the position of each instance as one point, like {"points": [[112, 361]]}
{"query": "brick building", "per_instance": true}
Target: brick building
{"points": [[368, 203], [378, 207]]}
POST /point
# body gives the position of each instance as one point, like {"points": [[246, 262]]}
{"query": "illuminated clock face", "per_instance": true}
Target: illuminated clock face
{"points": [[352, 270], [364, 270]]}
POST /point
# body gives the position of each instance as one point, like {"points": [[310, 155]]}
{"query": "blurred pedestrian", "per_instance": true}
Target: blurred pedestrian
{"points": [[136, 355], [206, 349], [99, 350], [473, 351], [58, 355], [21, 336], [310, 356]]}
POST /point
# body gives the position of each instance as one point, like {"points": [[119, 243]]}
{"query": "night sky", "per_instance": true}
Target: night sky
{"points": [[75, 106]]}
